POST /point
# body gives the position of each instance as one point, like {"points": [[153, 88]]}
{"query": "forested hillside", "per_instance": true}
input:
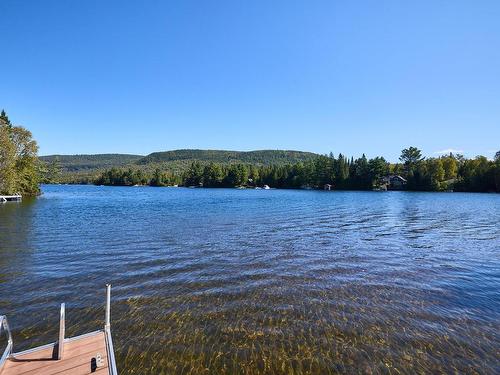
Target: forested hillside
{"points": [[263, 157], [86, 168], [277, 168], [81, 168], [446, 173], [72, 163]]}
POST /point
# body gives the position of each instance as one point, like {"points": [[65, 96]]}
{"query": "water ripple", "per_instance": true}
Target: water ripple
{"points": [[260, 282]]}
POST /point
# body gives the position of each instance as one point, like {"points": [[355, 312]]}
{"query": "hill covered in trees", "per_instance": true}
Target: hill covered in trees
{"points": [[261, 157], [86, 168], [450, 172], [81, 168], [21, 170], [72, 163], [276, 168]]}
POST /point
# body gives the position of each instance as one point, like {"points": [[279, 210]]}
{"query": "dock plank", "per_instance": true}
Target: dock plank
{"points": [[78, 356]]}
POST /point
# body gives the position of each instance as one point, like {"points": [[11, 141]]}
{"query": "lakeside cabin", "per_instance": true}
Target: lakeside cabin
{"points": [[10, 198], [393, 182], [91, 353]]}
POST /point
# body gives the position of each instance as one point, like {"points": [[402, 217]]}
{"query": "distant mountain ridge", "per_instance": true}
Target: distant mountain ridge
{"points": [[223, 156], [84, 167], [72, 163]]}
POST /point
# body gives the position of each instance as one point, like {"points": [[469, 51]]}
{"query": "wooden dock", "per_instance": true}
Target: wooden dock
{"points": [[10, 198], [80, 357], [91, 353]]}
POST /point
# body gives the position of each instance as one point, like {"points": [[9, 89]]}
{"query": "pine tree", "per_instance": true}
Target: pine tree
{"points": [[5, 119]]}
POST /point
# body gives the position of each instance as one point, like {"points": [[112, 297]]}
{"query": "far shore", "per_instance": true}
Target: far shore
{"points": [[272, 188]]}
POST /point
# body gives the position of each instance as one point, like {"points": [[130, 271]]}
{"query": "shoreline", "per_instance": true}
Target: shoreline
{"points": [[274, 188]]}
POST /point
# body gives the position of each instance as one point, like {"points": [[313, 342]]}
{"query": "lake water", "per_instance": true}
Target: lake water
{"points": [[229, 281]]}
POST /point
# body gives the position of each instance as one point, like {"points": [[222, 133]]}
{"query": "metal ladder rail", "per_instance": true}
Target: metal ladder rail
{"points": [[107, 331], [8, 350]]}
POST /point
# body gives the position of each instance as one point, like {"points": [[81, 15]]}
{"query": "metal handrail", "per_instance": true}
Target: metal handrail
{"points": [[111, 354], [62, 331], [5, 325], [107, 331], [60, 344]]}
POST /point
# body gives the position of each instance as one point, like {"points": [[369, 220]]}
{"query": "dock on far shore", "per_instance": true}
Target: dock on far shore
{"points": [[11, 198]]}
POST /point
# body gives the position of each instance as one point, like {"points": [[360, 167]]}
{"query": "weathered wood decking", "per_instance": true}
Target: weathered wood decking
{"points": [[91, 353], [81, 357]]}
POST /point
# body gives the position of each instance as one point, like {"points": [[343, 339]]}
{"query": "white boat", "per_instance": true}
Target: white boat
{"points": [[10, 198]]}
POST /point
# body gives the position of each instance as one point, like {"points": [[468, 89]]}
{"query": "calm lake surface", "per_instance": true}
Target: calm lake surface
{"points": [[260, 282]]}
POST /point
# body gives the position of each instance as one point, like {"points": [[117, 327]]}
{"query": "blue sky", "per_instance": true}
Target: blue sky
{"points": [[344, 76]]}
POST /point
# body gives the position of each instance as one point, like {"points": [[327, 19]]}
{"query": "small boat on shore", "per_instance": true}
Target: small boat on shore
{"points": [[11, 198], [80, 355]]}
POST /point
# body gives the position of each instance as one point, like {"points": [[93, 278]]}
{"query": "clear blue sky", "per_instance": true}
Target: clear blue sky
{"points": [[375, 76]]}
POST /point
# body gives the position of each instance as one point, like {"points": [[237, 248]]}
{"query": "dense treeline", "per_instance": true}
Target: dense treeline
{"points": [[260, 157], [19, 171], [85, 162], [131, 177], [451, 172], [85, 168]]}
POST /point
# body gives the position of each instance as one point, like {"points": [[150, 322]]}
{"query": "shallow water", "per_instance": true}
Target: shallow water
{"points": [[260, 282]]}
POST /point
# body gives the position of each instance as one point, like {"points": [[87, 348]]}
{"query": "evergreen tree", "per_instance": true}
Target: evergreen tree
{"points": [[5, 119], [379, 168], [496, 172], [194, 175], [411, 157]]}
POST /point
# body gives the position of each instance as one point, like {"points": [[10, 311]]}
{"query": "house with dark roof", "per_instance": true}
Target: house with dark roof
{"points": [[393, 182]]}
